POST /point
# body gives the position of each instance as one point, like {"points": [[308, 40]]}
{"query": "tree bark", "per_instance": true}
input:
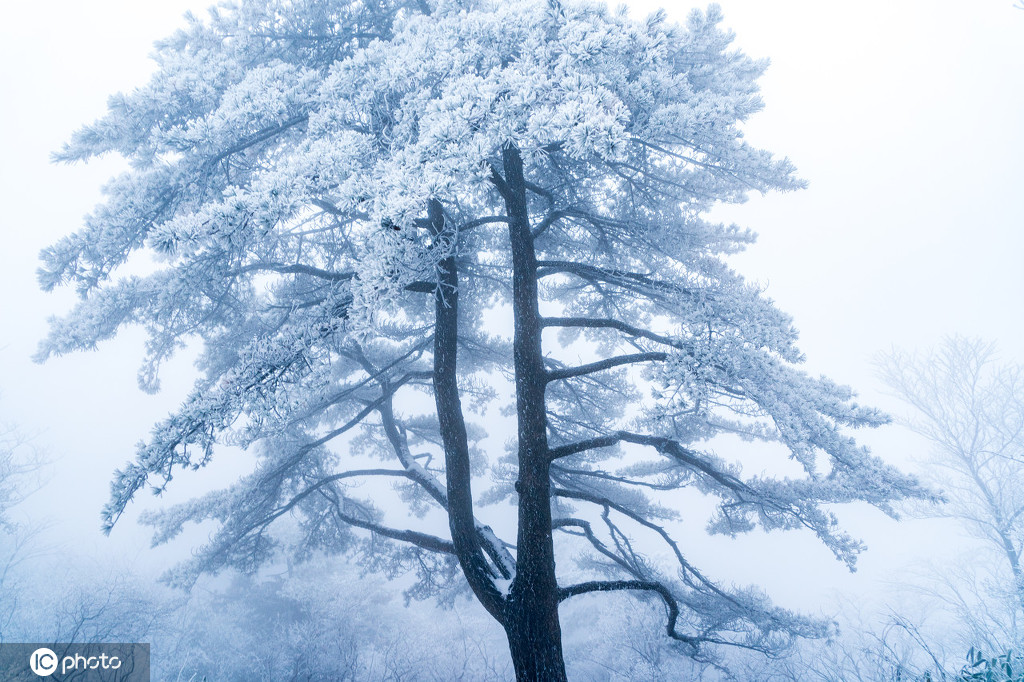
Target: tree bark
{"points": [[461, 521], [531, 609]]}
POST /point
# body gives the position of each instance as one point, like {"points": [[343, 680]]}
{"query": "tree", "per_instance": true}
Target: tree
{"points": [[970, 406], [18, 464], [344, 201], [327, 622]]}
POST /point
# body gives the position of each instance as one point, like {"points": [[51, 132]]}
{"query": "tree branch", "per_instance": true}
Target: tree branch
{"points": [[296, 269], [623, 278], [499, 182], [469, 225], [550, 219], [606, 323], [503, 561], [683, 563], [261, 136], [604, 475], [584, 445], [645, 585], [601, 365], [588, 532], [424, 540]]}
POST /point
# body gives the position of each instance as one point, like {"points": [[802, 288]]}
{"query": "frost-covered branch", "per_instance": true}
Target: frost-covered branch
{"points": [[691, 575], [601, 365], [261, 136], [294, 269], [417, 538], [641, 585], [633, 281], [423, 540], [599, 323]]}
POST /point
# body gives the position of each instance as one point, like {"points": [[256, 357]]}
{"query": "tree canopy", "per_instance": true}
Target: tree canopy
{"points": [[343, 202]]}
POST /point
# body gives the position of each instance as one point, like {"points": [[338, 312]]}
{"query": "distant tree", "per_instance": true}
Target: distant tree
{"points": [[18, 463], [891, 648], [327, 622], [222, 634], [970, 406], [64, 602], [344, 201]]}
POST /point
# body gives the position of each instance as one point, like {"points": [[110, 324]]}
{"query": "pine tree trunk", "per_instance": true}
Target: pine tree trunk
{"points": [[535, 642], [531, 612], [458, 476]]}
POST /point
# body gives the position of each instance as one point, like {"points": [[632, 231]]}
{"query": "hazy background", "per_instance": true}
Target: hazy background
{"points": [[906, 118]]}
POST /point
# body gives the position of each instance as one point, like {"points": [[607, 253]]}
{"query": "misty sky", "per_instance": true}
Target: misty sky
{"points": [[906, 118]]}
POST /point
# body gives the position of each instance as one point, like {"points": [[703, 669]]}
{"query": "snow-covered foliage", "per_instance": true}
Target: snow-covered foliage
{"points": [[283, 159]]}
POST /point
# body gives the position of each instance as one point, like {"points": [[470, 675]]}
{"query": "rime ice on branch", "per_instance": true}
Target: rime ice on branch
{"points": [[337, 195]]}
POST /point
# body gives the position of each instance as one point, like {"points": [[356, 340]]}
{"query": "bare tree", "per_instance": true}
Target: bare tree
{"points": [[971, 407], [18, 462]]}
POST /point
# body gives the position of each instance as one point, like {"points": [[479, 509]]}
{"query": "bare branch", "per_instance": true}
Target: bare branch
{"points": [[687, 567]]}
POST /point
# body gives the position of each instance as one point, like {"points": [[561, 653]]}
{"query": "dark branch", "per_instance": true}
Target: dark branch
{"points": [[688, 568], [604, 475], [602, 365], [424, 540], [504, 564], [482, 221], [584, 445], [428, 542], [549, 220], [644, 585], [540, 191], [256, 139], [452, 426], [666, 446], [690, 458], [499, 182], [588, 532], [606, 323], [631, 280], [280, 511]]}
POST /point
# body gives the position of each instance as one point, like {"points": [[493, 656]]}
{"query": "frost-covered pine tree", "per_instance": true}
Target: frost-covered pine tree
{"points": [[344, 200]]}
